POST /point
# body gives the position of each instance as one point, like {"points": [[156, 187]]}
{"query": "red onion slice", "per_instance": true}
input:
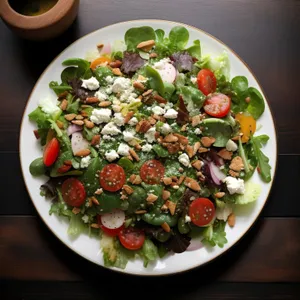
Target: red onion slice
{"points": [[216, 174], [73, 128]]}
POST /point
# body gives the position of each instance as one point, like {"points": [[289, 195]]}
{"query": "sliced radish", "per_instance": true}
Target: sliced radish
{"points": [[167, 73], [216, 174], [78, 142], [114, 219], [106, 49]]}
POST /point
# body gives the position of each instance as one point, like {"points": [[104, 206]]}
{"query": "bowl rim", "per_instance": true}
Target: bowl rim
{"points": [[50, 17]]}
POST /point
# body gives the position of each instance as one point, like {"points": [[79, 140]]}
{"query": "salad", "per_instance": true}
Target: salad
{"points": [[148, 143]]}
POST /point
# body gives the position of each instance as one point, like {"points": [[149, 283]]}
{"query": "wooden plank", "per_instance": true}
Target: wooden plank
{"points": [[36, 290], [281, 202], [268, 253]]}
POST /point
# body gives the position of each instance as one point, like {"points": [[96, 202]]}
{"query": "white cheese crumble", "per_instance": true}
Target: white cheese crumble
{"points": [[101, 95], [133, 121], [111, 155], [109, 79], [146, 148], [231, 146], [166, 129], [128, 135], [234, 185], [49, 105], [193, 79], [108, 138], [171, 114], [90, 84], [162, 63], [197, 131], [85, 218], [150, 135], [187, 219], [184, 159], [123, 149], [118, 119], [121, 84], [110, 129], [101, 115], [116, 108], [85, 161], [157, 110]]}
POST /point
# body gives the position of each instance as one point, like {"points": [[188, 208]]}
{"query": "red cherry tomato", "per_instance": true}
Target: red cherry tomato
{"points": [[152, 171], [73, 192], [207, 82], [201, 211], [51, 152], [132, 238], [217, 105], [112, 177], [108, 231]]}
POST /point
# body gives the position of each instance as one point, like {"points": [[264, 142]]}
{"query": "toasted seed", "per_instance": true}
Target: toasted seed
{"points": [[180, 180], [68, 162], [82, 153], [197, 164], [88, 124], [148, 92], [219, 195], [94, 200], [171, 206], [196, 120], [63, 95], [95, 140], [231, 220], [233, 173], [135, 179], [170, 138], [146, 45], [75, 210], [167, 180], [117, 72], [100, 46], [84, 114], [202, 150], [60, 124], [140, 212], [142, 126], [247, 100], [159, 99], [141, 77], [166, 227], [95, 225], [164, 207], [64, 104], [78, 122], [184, 127], [151, 198], [99, 191], [129, 157], [104, 104], [207, 141], [236, 164], [139, 86], [153, 55], [196, 147], [128, 116], [79, 117], [182, 139], [70, 117], [235, 138], [134, 154], [225, 154], [152, 121], [115, 64], [166, 194], [192, 184], [190, 151], [128, 189], [91, 100]]}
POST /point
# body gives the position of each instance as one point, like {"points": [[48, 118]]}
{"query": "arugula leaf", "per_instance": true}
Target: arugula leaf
{"points": [[215, 234], [263, 161]]}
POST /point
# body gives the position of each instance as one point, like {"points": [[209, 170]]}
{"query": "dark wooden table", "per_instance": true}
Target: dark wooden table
{"points": [[265, 264]]}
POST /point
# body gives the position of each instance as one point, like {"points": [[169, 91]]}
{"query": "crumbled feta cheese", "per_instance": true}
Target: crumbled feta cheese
{"points": [[90, 84], [169, 105], [193, 79], [128, 135], [108, 90], [197, 131], [133, 121], [187, 219], [85, 218], [231, 146], [118, 119], [157, 110], [101, 95], [108, 138], [171, 114], [150, 135], [121, 84], [224, 212], [184, 159], [110, 129], [161, 64], [111, 155], [101, 115], [146, 148], [109, 79], [49, 105], [234, 185], [123, 149], [166, 129], [116, 108], [85, 161]]}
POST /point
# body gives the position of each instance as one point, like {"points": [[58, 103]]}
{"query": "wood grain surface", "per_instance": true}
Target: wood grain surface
{"points": [[265, 264]]}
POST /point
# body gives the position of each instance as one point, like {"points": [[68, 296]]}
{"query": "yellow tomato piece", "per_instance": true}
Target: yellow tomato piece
{"points": [[99, 61], [248, 126]]}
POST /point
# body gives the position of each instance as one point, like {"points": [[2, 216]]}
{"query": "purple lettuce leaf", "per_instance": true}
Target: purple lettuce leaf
{"points": [[183, 61], [131, 62]]}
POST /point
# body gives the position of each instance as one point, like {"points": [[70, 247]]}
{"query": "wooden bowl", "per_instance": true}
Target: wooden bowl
{"points": [[41, 27]]}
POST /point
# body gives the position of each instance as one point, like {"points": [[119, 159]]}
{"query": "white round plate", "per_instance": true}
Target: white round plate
{"points": [[88, 247]]}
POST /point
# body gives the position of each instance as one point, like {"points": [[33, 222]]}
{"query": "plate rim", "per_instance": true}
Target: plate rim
{"points": [[123, 271]]}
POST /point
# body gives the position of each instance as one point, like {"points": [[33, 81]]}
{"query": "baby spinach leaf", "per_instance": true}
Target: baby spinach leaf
{"points": [[159, 35], [195, 49], [37, 167], [108, 201], [256, 106], [137, 200], [136, 35], [239, 84], [82, 65], [68, 74], [169, 90], [178, 37], [126, 164], [171, 168], [160, 151], [155, 80]]}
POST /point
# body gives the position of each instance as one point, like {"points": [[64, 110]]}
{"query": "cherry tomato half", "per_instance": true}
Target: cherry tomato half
{"points": [[73, 192], [108, 231], [152, 171], [207, 82], [112, 177], [217, 105], [51, 152], [132, 238], [201, 211]]}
